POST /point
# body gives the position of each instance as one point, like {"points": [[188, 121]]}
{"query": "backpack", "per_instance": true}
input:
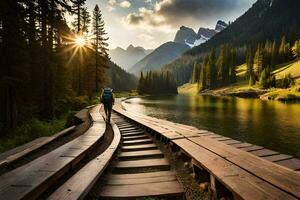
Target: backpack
{"points": [[107, 96]]}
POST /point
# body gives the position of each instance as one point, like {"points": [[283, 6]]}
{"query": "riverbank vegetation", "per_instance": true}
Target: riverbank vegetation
{"points": [[269, 66], [157, 83], [242, 88]]}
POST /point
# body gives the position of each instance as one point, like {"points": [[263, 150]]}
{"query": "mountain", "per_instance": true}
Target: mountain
{"points": [[265, 20], [126, 58], [161, 56], [220, 26], [185, 38], [189, 37], [120, 80], [185, 35]]}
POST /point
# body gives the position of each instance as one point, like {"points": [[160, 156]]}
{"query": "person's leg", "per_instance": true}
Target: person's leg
{"points": [[109, 112], [106, 110]]}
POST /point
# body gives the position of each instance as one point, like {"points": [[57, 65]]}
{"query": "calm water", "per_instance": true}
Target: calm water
{"points": [[271, 124]]}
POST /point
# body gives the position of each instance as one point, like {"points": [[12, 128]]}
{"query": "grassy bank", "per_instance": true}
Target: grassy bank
{"points": [[34, 128], [242, 88], [29, 131], [133, 93]]}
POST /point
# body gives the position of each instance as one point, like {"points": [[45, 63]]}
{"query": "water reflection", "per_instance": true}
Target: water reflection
{"points": [[274, 125]]}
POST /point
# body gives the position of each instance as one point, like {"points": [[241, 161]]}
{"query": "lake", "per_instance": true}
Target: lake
{"points": [[272, 124]]}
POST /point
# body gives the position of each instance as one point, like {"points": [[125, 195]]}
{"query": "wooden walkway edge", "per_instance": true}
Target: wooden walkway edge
{"points": [[245, 168]]}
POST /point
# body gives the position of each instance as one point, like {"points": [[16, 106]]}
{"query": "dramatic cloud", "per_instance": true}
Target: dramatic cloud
{"points": [[112, 4], [125, 4], [190, 12]]}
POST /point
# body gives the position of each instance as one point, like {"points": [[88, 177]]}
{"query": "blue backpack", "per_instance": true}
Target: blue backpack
{"points": [[107, 96]]}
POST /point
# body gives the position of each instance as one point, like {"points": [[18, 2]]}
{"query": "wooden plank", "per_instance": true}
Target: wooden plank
{"points": [[170, 188], [147, 163], [293, 164], [78, 186], [142, 175], [231, 142], [242, 145], [142, 180], [48, 167], [240, 182], [264, 152], [251, 148], [141, 154], [223, 139], [279, 157], [135, 137], [281, 177], [139, 147], [139, 141]]}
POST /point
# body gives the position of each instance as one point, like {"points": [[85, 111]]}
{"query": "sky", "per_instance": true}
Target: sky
{"points": [[150, 23]]}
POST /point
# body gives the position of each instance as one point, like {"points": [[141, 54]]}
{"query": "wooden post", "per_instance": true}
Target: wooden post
{"points": [[218, 190]]}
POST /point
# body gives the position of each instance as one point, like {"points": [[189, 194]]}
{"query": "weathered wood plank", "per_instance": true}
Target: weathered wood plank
{"points": [[281, 177], [170, 188], [293, 163], [78, 186], [239, 181], [279, 157], [50, 166], [264, 152]]}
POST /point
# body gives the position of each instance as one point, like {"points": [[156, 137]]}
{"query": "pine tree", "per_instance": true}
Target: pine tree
{"points": [[195, 74], [259, 60], [212, 68], [141, 84], [274, 55], [78, 9], [263, 79], [202, 83], [86, 20], [296, 49], [232, 70], [100, 44], [250, 63]]}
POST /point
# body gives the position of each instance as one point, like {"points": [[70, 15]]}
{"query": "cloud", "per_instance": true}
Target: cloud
{"points": [[125, 4], [148, 19], [113, 4], [184, 12]]}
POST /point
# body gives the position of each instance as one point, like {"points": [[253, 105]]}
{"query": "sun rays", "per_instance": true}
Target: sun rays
{"points": [[78, 45]]}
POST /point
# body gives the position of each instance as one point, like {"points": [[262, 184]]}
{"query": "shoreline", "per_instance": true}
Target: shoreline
{"points": [[247, 92]]}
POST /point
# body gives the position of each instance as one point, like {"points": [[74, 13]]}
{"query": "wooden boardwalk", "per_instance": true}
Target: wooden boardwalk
{"points": [[140, 172], [130, 165], [241, 170]]}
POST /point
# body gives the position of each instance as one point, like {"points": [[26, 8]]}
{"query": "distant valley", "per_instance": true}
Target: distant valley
{"points": [[138, 59]]}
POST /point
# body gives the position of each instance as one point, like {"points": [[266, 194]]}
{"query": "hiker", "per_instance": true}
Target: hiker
{"points": [[108, 100]]}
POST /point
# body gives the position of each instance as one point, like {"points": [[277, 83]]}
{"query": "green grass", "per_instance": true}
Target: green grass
{"points": [[241, 70], [188, 89], [292, 68], [291, 94], [29, 131], [126, 94]]}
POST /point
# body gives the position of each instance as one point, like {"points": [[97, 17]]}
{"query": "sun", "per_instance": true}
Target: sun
{"points": [[80, 41]]}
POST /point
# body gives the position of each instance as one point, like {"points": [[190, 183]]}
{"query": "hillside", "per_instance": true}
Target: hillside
{"points": [[265, 20], [242, 88], [126, 58], [120, 80], [163, 55]]}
